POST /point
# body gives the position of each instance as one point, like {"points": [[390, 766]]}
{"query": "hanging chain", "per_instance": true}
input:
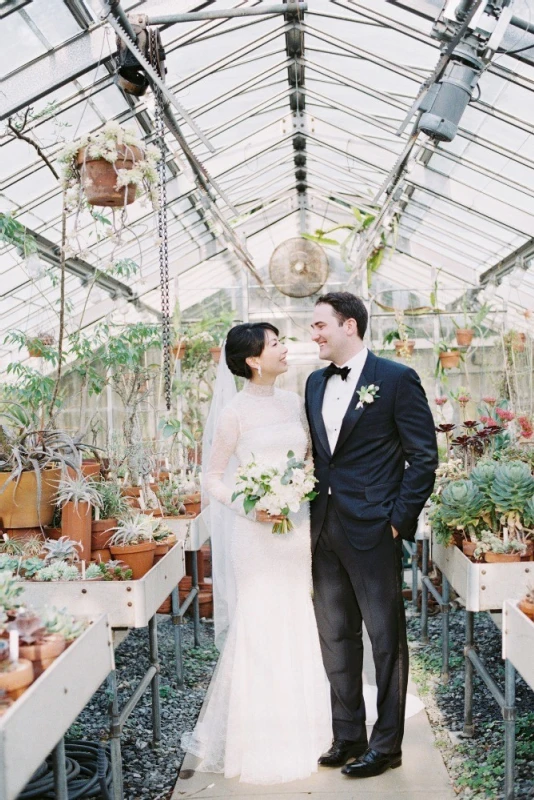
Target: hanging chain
{"points": [[162, 223]]}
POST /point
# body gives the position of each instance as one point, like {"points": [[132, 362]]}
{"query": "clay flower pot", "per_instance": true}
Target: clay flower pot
{"points": [[192, 504], [178, 350], [53, 533], [403, 348], [518, 342], [464, 336], [504, 558], [527, 607], [469, 548], [91, 469], [101, 556], [166, 606], [43, 654], [162, 548], [449, 359], [17, 678], [99, 177], [216, 354], [139, 557], [131, 491], [18, 501], [76, 524], [101, 532]]}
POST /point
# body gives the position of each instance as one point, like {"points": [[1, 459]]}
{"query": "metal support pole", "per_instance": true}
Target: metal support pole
{"points": [[424, 593], [115, 738], [414, 575], [228, 13], [445, 641], [196, 604], [61, 791], [177, 631], [469, 729], [509, 730], [156, 706]]}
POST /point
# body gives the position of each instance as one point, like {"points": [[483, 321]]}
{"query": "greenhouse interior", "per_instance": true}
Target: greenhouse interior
{"points": [[351, 181]]}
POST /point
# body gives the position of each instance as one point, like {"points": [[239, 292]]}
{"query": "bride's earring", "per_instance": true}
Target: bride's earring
{"points": [[259, 372]]}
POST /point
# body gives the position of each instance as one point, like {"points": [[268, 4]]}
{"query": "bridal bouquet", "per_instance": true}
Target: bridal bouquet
{"points": [[276, 491]]}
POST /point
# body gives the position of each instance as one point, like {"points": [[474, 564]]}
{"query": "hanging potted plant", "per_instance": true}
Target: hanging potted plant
{"points": [[110, 167], [77, 496], [133, 543], [448, 357], [516, 340]]}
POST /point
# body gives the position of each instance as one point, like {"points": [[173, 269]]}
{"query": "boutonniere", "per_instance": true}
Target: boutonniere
{"points": [[367, 395]]}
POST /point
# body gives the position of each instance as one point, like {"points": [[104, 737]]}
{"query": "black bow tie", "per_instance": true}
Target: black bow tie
{"points": [[333, 370]]}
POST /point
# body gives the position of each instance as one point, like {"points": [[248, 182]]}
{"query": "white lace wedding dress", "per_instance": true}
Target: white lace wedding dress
{"points": [[267, 718]]}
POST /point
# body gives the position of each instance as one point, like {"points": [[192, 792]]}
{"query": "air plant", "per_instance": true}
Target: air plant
{"points": [[78, 490], [62, 549], [132, 530]]}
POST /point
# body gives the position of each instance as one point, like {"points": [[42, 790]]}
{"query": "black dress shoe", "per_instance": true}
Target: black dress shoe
{"points": [[341, 751], [372, 763]]}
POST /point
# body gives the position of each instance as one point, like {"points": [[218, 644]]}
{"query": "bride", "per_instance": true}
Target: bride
{"points": [[267, 718]]}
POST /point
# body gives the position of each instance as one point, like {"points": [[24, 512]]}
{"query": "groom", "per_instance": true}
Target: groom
{"points": [[375, 455]]}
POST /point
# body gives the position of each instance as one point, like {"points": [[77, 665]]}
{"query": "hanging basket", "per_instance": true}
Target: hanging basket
{"points": [[99, 177], [450, 359], [464, 336], [404, 347]]}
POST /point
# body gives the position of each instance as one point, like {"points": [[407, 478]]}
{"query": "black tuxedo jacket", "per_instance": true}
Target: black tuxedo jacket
{"points": [[370, 484]]}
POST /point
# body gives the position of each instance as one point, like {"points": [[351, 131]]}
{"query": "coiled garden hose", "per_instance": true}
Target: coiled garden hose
{"points": [[88, 774]]}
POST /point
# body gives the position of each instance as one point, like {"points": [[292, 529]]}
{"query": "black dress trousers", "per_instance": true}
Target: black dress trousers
{"points": [[352, 586]]}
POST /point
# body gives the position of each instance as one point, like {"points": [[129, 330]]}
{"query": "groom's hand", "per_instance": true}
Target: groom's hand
{"points": [[394, 532]]}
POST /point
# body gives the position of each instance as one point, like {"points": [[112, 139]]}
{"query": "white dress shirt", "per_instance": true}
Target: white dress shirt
{"points": [[338, 395]]}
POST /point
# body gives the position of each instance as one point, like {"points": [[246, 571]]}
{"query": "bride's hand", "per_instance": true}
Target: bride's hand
{"points": [[263, 516]]}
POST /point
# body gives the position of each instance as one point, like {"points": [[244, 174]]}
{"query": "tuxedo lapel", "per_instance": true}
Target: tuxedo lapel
{"points": [[317, 421], [353, 414]]}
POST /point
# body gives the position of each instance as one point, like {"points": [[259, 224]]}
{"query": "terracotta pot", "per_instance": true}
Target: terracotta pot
{"points": [[205, 600], [76, 524], [193, 504], [165, 607], [529, 555], [43, 654], [91, 469], [16, 680], [518, 342], [206, 556], [35, 351], [25, 534], [527, 607], [464, 336], [131, 491], [178, 350], [162, 548], [101, 532], [99, 177], [406, 347], [103, 555], [449, 359], [5, 704], [216, 354], [139, 557], [18, 503], [469, 548], [504, 558], [53, 533]]}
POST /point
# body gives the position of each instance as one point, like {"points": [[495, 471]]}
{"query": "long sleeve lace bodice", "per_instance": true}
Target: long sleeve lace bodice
{"points": [[261, 423]]}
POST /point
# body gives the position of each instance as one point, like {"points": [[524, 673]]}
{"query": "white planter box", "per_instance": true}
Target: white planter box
{"points": [[192, 532], [518, 640], [482, 587], [36, 722], [129, 604]]}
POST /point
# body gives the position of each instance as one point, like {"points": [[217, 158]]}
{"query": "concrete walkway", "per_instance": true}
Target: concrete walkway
{"points": [[422, 776]]}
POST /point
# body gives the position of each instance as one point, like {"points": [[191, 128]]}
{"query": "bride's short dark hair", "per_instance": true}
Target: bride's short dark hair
{"points": [[245, 341]]}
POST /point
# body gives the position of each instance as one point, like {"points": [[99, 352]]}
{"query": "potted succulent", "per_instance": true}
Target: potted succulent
{"points": [[164, 538], [496, 550], [113, 505], [36, 643], [77, 496], [115, 571], [15, 676], [57, 571], [133, 543], [471, 324], [448, 357], [526, 604], [399, 336], [110, 167]]}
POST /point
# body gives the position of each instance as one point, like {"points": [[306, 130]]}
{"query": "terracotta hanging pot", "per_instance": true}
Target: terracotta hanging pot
{"points": [[99, 177], [16, 679], [518, 342], [404, 347], [449, 359], [101, 532], [469, 548], [178, 350], [527, 607], [504, 558], [139, 557], [18, 502], [464, 336], [76, 524], [43, 654]]}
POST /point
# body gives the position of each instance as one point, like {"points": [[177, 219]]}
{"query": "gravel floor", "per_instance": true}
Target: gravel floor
{"points": [[152, 772], [476, 764]]}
